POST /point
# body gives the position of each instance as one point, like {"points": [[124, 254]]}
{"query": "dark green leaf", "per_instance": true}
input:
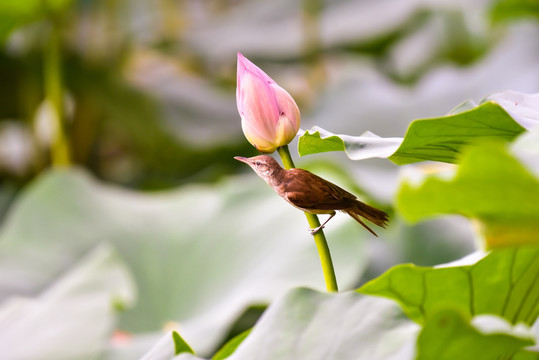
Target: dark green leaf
{"points": [[442, 139], [448, 335], [504, 283], [362, 147], [231, 346], [180, 346], [312, 142], [490, 185], [437, 139]]}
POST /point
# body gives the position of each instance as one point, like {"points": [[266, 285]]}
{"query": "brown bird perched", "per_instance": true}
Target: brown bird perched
{"points": [[311, 193]]}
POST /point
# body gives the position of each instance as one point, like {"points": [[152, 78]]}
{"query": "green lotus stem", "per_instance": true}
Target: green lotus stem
{"points": [[55, 95], [319, 237]]}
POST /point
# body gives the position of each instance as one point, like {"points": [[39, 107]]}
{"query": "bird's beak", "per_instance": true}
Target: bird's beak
{"points": [[242, 159]]}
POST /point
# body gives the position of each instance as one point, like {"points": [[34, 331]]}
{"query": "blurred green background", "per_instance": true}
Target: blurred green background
{"points": [[143, 172], [149, 86]]}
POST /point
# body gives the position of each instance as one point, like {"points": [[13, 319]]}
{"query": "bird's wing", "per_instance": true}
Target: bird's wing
{"points": [[313, 191]]}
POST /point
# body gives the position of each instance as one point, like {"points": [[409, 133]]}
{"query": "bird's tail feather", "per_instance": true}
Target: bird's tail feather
{"points": [[370, 213]]}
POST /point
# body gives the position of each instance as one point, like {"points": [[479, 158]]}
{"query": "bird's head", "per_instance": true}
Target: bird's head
{"points": [[263, 165]]}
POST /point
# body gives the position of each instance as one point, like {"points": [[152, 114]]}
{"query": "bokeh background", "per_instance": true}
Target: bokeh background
{"points": [[147, 209]]}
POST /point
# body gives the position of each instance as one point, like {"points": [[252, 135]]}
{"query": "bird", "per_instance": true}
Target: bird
{"points": [[313, 194]]}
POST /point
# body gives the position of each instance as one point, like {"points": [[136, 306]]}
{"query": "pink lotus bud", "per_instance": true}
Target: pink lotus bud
{"points": [[269, 115]]}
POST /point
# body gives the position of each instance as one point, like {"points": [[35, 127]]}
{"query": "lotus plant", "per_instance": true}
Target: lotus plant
{"points": [[270, 120]]}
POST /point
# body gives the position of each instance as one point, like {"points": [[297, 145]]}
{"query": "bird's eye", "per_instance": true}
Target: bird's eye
{"points": [[257, 163]]}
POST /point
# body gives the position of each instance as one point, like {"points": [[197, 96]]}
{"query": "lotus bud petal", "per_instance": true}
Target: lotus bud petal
{"points": [[269, 115]]}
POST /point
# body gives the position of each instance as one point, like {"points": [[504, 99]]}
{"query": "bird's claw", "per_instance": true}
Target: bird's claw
{"points": [[315, 230]]}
